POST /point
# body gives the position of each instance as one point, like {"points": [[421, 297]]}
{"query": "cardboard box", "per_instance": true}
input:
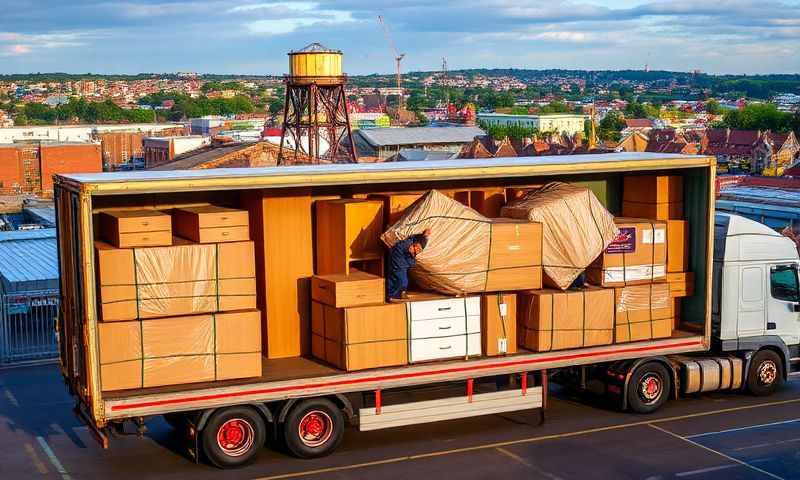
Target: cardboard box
{"points": [[637, 255], [181, 279], [499, 324], [652, 189], [657, 211], [238, 344], [347, 230], [643, 312], [176, 350], [677, 246], [339, 290], [515, 243], [681, 284], [488, 201], [211, 224], [136, 228], [554, 320], [357, 338]]}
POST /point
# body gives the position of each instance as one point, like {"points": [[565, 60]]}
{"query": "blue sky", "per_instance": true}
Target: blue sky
{"points": [[253, 36]]}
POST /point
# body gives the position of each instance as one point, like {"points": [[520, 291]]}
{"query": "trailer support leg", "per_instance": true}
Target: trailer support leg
{"points": [[377, 402], [470, 385], [524, 383]]}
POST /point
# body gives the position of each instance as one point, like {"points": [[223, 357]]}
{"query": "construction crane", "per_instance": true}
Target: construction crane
{"points": [[446, 83], [398, 57]]}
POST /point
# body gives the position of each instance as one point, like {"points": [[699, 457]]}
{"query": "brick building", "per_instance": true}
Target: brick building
{"points": [[28, 168], [120, 147], [160, 150]]}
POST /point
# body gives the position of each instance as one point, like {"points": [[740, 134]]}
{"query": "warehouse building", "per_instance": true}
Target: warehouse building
{"points": [[381, 144], [28, 168], [564, 123]]}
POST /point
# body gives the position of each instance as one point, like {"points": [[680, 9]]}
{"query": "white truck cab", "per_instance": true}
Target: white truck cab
{"points": [[756, 296]]}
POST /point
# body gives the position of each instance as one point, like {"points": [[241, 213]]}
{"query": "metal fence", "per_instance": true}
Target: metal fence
{"points": [[27, 326]]}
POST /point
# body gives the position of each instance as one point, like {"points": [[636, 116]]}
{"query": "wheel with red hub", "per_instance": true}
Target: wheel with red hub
{"points": [[232, 436], [313, 428], [765, 374], [649, 388]]}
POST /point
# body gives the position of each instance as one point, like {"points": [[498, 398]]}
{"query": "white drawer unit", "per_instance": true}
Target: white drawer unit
{"points": [[424, 349], [444, 327], [444, 308]]}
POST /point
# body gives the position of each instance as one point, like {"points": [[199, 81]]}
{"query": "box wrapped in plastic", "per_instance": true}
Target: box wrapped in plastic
{"points": [[576, 228], [467, 252], [643, 312]]}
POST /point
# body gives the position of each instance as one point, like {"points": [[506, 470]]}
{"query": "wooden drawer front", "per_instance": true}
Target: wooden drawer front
{"points": [[226, 218], [224, 234], [144, 239], [445, 327], [425, 349], [445, 308]]}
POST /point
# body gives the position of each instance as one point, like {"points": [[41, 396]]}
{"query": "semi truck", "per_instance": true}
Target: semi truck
{"points": [[739, 330]]}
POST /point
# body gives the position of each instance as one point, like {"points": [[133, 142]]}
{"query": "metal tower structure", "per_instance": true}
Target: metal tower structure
{"points": [[316, 123]]}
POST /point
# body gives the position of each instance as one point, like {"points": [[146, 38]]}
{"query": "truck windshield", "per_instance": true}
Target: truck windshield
{"points": [[783, 281]]}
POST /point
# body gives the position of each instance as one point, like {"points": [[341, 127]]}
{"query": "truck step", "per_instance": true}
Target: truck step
{"points": [[706, 374]]}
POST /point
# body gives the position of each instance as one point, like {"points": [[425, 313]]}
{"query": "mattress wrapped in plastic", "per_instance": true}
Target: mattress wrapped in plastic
{"points": [[467, 252], [577, 228]]}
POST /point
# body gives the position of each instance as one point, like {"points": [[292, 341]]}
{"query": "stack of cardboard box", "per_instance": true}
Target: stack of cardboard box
{"points": [[176, 311]]}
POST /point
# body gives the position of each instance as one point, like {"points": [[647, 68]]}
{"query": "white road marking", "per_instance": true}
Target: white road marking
{"points": [[37, 462], [10, 396], [53, 459], [706, 470], [769, 444], [740, 429], [723, 455]]}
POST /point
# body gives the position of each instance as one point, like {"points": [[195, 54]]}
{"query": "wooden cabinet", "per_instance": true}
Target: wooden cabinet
{"points": [[444, 328], [281, 230], [348, 236]]}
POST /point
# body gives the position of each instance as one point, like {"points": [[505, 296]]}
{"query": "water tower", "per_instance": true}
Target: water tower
{"points": [[315, 119]]}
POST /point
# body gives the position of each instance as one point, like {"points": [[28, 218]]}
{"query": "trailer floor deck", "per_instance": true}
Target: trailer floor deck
{"points": [[298, 368]]}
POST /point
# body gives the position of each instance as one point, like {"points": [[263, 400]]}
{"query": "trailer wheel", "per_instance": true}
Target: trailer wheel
{"points": [[232, 437], [313, 428], [649, 388], [765, 373]]}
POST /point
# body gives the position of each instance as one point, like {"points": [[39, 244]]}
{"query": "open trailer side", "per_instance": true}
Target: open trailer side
{"points": [[285, 381]]}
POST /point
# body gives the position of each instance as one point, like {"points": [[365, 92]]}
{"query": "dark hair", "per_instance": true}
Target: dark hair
{"points": [[422, 240]]}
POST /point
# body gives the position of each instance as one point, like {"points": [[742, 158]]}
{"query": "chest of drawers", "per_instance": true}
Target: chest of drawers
{"points": [[444, 328]]}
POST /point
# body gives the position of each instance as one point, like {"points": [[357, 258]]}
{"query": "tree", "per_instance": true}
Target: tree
{"points": [[554, 107], [758, 116], [611, 125], [712, 107]]}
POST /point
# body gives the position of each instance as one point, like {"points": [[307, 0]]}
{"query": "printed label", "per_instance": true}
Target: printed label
{"points": [[658, 235], [624, 242]]}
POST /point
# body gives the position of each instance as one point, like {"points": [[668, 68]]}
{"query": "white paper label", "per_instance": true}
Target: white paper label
{"points": [[659, 234], [503, 309], [502, 345]]}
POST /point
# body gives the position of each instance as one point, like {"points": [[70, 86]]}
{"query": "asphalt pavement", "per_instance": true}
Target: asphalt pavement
{"points": [[713, 436]]}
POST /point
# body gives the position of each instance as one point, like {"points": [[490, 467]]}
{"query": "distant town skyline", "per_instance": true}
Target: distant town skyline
{"points": [[253, 37]]}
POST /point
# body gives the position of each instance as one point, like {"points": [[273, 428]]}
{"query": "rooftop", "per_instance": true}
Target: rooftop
{"points": [[381, 137], [28, 260]]}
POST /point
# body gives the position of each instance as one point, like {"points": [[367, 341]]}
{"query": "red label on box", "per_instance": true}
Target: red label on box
{"points": [[624, 242]]}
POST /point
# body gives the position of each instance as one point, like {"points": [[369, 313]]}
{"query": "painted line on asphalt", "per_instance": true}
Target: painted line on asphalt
{"points": [[702, 471], [521, 441], [10, 396], [769, 444], [37, 462], [53, 459], [717, 452], [741, 429], [514, 457]]}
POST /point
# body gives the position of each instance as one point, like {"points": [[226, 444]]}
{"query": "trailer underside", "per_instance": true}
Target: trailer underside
{"points": [[306, 377]]}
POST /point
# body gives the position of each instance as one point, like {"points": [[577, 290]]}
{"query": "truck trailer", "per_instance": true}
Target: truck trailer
{"points": [[737, 330]]}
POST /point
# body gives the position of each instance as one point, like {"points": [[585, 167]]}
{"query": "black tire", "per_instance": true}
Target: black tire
{"points": [[765, 374], [649, 388], [233, 436], [313, 428]]}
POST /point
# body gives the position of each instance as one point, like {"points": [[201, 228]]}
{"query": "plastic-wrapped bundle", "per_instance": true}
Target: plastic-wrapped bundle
{"points": [[466, 251], [643, 312], [576, 228]]}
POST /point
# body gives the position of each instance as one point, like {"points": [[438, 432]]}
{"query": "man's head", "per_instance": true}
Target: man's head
{"points": [[420, 244]]}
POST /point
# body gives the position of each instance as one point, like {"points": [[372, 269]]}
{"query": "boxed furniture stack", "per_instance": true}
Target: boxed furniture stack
{"points": [[176, 309]]}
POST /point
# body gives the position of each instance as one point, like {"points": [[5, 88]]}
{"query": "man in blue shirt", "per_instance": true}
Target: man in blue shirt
{"points": [[402, 257]]}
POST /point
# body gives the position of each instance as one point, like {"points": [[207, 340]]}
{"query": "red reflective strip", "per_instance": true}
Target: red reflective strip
{"points": [[397, 376], [377, 402], [524, 383], [470, 385]]}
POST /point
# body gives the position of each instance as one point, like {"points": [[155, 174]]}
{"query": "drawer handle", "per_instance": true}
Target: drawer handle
{"points": [[225, 234], [446, 348], [223, 218], [322, 287], [443, 309], [144, 224], [446, 328]]}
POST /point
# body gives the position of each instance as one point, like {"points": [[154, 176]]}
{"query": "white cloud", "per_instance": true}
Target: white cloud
{"points": [[289, 17]]}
